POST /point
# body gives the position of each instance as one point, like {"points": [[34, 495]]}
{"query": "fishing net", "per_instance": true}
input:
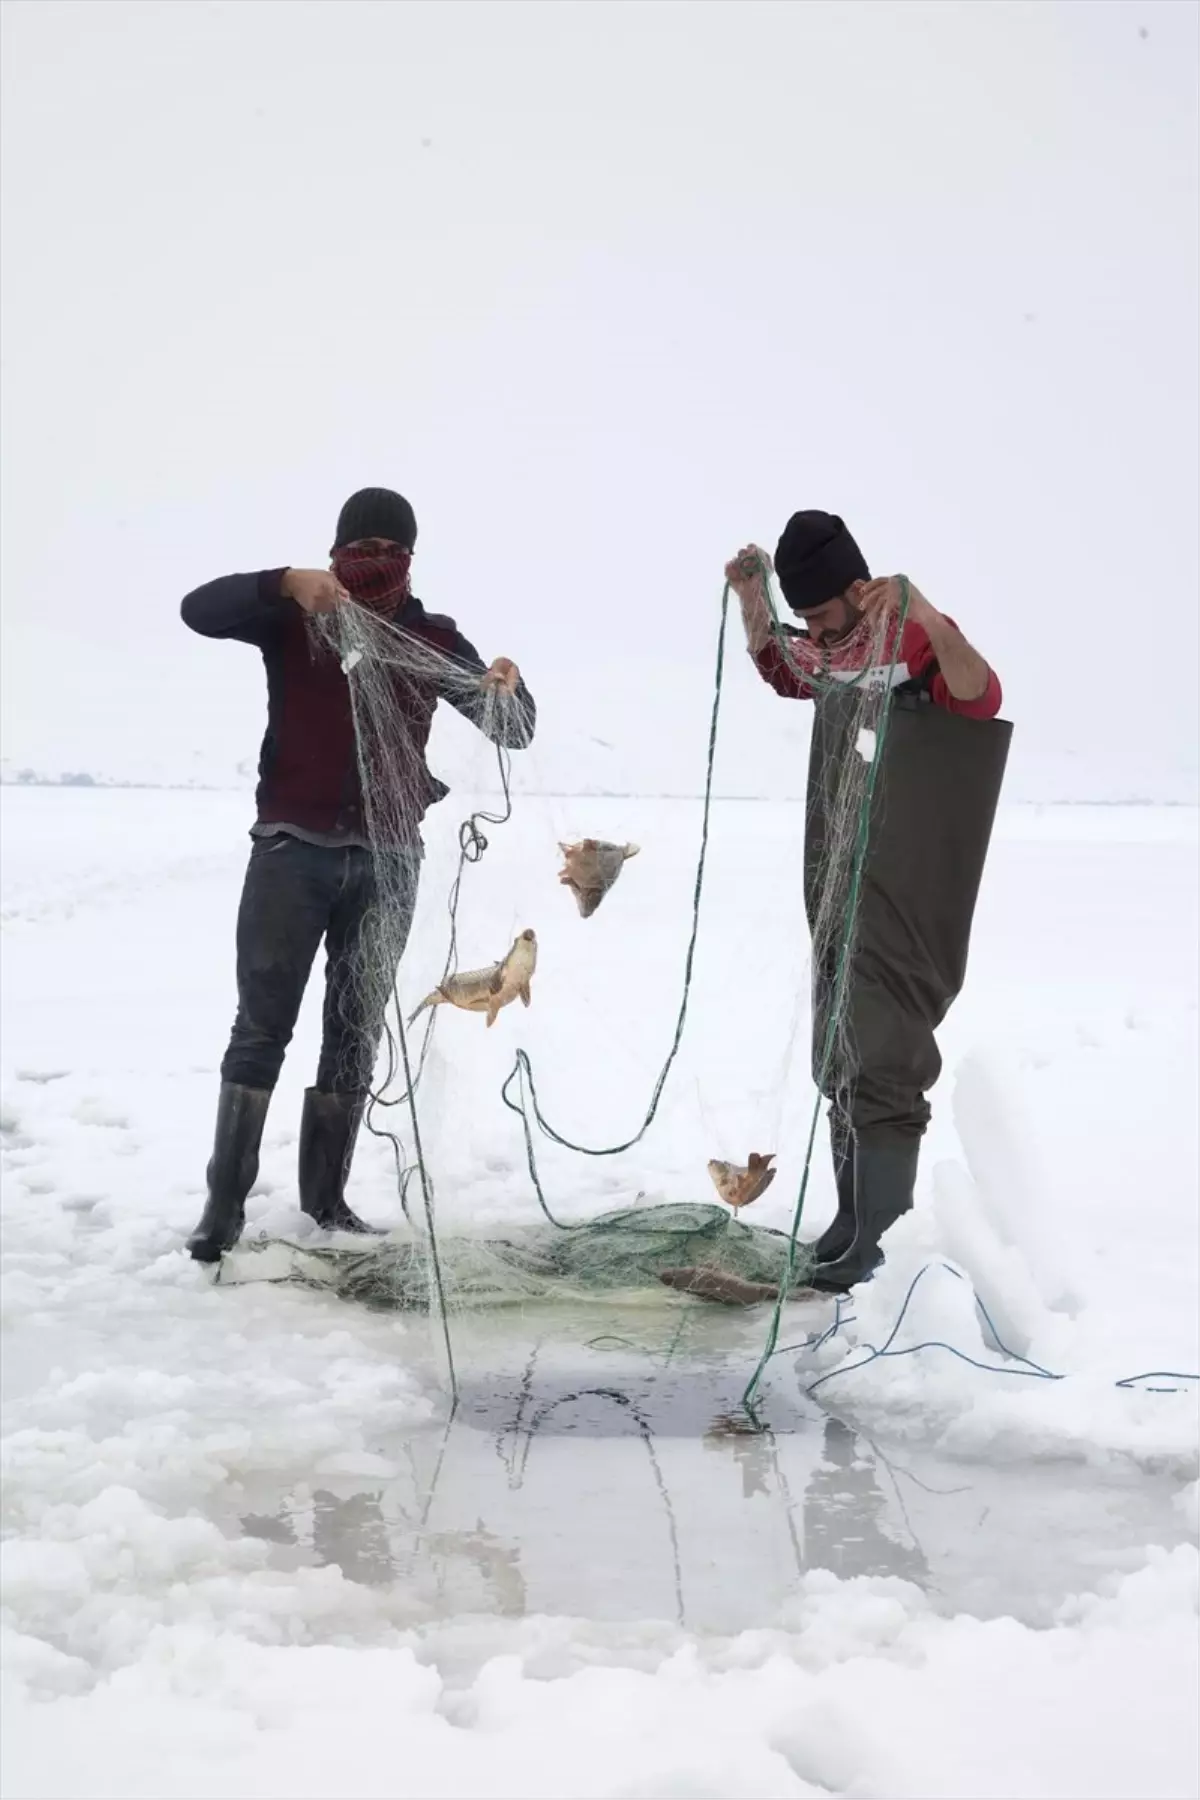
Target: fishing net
{"points": [[851, 684], [620, 1255], [395, 678]]}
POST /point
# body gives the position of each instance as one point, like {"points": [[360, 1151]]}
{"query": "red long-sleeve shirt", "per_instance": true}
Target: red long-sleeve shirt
{"points": [[915, 662]]}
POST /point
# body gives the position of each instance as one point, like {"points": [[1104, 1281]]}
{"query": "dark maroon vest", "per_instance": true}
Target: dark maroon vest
{"points": [[308, 768]]}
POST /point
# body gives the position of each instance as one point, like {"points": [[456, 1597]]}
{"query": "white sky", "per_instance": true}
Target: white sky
{"points": [[607, 290]]}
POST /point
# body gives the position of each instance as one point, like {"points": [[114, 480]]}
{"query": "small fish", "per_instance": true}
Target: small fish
{"points": [[719, 1284], [738, 1186], [591, 868], [487, 990]]}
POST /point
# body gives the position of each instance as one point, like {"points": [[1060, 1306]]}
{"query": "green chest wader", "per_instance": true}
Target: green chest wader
{"points": [[932, 813]]}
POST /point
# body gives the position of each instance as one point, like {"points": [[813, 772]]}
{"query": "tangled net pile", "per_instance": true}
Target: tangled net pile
{"points": [[394, 675], [623, 1253]]}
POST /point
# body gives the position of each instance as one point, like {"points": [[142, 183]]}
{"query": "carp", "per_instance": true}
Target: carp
{"points": [[591, 868], [722, 1285], [487, 990], [738, 1185]]}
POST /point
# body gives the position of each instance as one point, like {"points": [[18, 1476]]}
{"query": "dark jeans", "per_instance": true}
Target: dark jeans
{"points": [[294, 895]]}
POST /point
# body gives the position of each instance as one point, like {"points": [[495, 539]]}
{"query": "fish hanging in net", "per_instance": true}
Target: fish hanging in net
{"points": [[740, 1184], [487, 990], [648, 1249], [590, 868]]}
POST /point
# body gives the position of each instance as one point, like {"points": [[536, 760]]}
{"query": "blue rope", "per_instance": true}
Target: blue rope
{"points": [[1131, 1381], [1033, 1370]]}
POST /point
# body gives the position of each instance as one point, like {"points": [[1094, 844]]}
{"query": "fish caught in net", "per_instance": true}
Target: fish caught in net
{"points": [[590, 869], [632, 1254], [487, 990], [703, 1251], [740, 1184]]}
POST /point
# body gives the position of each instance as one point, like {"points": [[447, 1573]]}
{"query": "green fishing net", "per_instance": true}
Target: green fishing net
{"points": [[620, 1254]]}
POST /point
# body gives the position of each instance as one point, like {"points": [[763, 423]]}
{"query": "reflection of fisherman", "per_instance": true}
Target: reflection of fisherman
{"points": [[937, 791], [844, 1511], [351, 1534]]}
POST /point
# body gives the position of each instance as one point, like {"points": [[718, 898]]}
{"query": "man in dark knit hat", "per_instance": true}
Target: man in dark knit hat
{"points": [[310, 875], [929, 830], [825, 580]]}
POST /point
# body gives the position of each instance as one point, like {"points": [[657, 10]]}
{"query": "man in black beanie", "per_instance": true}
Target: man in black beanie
{"points": [[310, 875], [825, 580], [929, 830]]}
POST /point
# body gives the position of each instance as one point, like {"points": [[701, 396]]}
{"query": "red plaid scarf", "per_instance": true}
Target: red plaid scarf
{"points": [[374, 580], [861, 648]]}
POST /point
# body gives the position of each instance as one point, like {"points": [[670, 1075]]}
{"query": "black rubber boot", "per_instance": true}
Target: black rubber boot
{"points": [[328, 1128], [838, 1236], [884, 1177], [232, 1167]]}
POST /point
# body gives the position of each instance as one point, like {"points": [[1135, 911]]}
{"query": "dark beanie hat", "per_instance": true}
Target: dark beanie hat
{"points": [[376, 513], [816, 560]]}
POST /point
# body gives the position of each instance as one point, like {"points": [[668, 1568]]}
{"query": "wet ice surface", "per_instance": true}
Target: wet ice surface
{"points": [[599, 1464]]}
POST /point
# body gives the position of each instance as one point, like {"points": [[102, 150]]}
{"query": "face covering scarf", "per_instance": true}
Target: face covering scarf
{"points": [[376, 580]]}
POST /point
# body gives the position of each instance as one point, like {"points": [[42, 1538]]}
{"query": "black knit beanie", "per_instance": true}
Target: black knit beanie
{"points": [[816, 560], [376, 513]]}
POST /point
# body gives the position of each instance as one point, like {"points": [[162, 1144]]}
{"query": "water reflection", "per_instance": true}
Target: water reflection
{"points": [[849, 1525], [645, 1493], [552, 1509]]}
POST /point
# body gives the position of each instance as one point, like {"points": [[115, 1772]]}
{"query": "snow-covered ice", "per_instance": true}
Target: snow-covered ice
{"points": [[244, 1555]]}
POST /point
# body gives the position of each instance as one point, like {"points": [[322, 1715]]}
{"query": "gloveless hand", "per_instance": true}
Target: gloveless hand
{"points": [[745, 571], [316, 590], [878, 598], [501, 677]]}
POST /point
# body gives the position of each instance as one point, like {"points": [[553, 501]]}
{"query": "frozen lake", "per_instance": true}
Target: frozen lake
{"points": [[246, 1549]]}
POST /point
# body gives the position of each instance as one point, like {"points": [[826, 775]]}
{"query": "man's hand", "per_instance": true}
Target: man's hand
{"points": [[745, 571], [316, 590], [502, 677], [746, 574], [878, 598], [964, 671]]}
